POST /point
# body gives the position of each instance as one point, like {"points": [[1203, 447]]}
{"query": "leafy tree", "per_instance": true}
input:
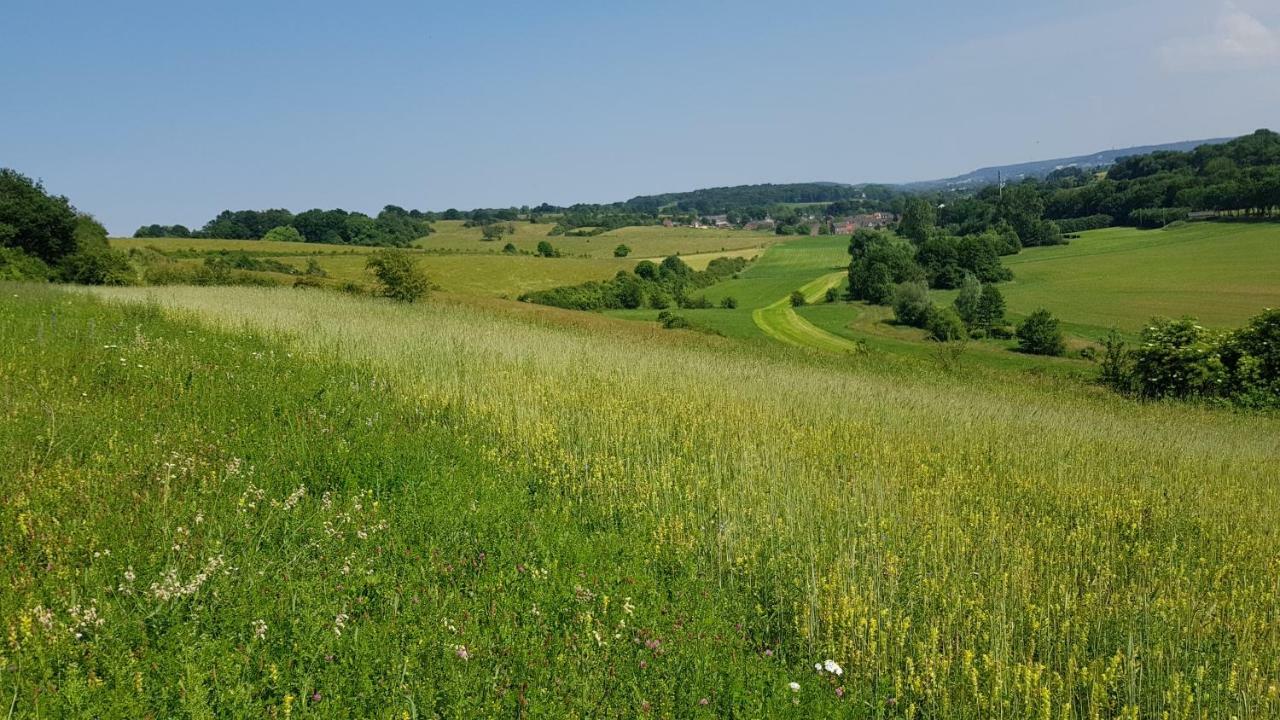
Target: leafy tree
{"points": [[647, 269], [545, 249], [1041, 334], [283, 233], [495, 231], [621, 251], [35, 222], [398, 275], [967, 302], [797, 299], [832, 295], [918, 219], [728, 302], [878, 262], [97, 266], [675, 266], [17, 265], [631, 295], [990, 309], [509, 249]]}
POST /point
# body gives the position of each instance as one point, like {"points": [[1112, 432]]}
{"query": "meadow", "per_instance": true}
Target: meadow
{"points": [[653, 241], [339, 506], [1222, 273]]}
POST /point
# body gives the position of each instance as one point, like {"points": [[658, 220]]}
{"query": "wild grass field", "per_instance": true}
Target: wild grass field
{"points": [[343, 507]]}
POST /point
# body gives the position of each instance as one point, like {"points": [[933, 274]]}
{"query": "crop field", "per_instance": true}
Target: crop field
{"points": [[341, 506], [1221, 273]]}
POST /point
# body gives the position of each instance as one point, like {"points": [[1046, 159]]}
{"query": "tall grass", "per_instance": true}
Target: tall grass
{"points": [[960, 547]]}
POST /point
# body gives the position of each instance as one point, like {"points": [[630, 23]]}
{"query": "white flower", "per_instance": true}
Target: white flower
{"points": [[833, 668], [795, 686], [259, 629]]}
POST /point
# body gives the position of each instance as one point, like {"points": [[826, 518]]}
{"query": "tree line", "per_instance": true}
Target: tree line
{"points": [[648, 285], [392, 227]]}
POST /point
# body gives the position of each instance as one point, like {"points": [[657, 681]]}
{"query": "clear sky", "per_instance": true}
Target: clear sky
{"points": [[146, 111]]}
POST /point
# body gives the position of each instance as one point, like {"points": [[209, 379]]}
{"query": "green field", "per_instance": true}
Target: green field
{"points": [[1221, 273], [346, 507], [645, 241]]}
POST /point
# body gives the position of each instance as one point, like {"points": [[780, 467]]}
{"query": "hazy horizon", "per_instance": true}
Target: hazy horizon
{"points": [[147, 112]]}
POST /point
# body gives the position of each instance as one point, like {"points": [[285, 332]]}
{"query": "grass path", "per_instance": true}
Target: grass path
{"points": [[780, 322]]}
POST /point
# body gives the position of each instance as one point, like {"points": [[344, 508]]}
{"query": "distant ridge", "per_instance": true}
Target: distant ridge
{"points": [[1041, 168]]}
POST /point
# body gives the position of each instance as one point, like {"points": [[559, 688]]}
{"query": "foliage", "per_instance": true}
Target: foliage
{"points": [[163, 231], [879, 261], [911, 304], [496, 231], [283, 233], [945, 325], [18, 265], [918, 219], [654, 285], [1072, 226], [797, 299], [398, 275], [1040, 333], [621, 251], [33, 221], [545, 249], [97, 266]]}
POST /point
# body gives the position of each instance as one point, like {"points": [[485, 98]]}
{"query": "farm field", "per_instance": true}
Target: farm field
{"points": [[1221, 273], [477, 510]]}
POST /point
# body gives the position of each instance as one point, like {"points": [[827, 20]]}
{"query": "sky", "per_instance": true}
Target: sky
{"points": [[168, 112]]}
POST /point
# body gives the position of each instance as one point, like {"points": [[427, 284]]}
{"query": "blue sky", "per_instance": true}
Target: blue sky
{"points": [[170, 111]]}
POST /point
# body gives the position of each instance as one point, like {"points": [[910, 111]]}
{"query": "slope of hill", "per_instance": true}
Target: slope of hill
{"points": [[1041, 168]]}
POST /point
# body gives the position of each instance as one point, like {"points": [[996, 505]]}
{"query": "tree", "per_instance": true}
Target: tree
{"points": [[283, 233], [495, 231], [546, 250], [918, 218], [990, 309], [878, 262], [647, 269], [1041, 334], [509, 249], [97, 266], [621, 251], [797, 298], [966, 303], [729, 302], [35, 222], [399, 275], [944, 325]]}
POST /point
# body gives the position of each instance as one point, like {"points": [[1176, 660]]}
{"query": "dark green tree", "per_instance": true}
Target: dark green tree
{"points": [[399, 276], [1041, 334]]}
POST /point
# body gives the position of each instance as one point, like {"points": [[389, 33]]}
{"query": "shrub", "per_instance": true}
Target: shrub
{"points": [[945, 325], [17, 265], [967, 302], [545, 249], [283, 233], [990, 310], [621, 251], [671, 322], [647, 269], [728, 302], [1041, 334], [101, 266], [911, 304], [832, 295], [1089, 222], [398, 275], [797, 298], [509, 249], [314, 269]]}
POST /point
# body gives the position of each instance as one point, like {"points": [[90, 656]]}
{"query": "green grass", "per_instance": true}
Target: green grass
{"points": [[1222, 273], [964, 546], [202, 245], [645, 242], [781, 322]]}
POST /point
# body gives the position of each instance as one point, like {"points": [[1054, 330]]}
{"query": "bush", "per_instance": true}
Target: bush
{"points": [[797, 299], [728, 302], [911, 304], [17, 265], [1041, 334], [945, 325], [545, 249], [672, 322], [102, 266], [398, 275], [509, 249], [621, 251], [283, 233], [832, 295]]}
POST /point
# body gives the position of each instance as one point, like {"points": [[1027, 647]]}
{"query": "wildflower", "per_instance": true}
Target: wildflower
{"points": [[315, 696], [462, 652], [768, 652], [795, 686], [840, 692], [340, 623], [832, 667], [704, 702], [627, 607], [259, 629]]}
